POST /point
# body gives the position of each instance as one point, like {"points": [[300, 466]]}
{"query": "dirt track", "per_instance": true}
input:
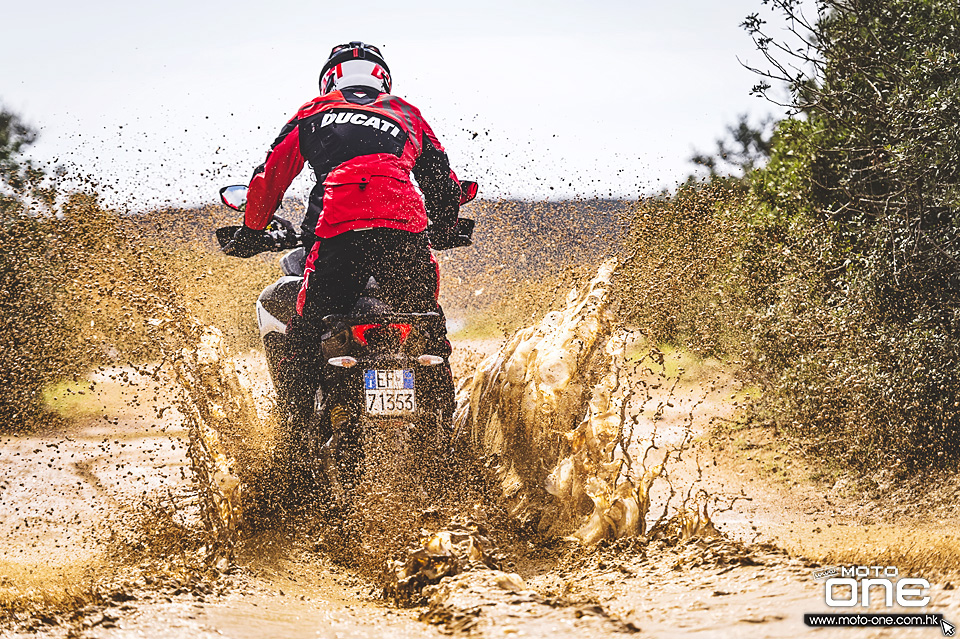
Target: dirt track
{"points": [[63, 491]]}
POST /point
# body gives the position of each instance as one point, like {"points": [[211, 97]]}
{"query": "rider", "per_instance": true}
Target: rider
{"points": [[365, 217]]}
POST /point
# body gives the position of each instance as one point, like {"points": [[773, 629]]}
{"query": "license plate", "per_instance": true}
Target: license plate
{"points": [[389, 392]]}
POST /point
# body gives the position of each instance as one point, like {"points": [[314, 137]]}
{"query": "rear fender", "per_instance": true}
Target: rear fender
{"points": [[268, 323], [277, 304]]}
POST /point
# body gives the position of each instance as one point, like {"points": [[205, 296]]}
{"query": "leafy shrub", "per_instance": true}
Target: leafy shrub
{"points": [[856, 246]]}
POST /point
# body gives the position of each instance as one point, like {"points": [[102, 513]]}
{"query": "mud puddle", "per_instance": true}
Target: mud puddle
{"points": [[258, 603]]}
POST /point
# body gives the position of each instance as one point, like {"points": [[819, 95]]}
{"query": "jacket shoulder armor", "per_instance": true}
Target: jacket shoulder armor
{"points": [[399, 103], [317, 103]]}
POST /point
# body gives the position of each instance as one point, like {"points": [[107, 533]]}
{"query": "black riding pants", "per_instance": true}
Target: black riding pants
{"points": [[400, 262]]}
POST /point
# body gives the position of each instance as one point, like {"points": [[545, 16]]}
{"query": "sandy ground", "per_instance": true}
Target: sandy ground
{"points": [[61, 488], [61, 491]]}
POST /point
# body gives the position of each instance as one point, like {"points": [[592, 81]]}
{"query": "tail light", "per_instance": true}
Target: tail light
{"points": [[360, 331], [403, 329], [342, 362]]}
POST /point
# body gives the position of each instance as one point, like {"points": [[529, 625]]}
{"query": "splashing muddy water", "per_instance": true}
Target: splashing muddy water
{"points": [[551, 408], [221, 417], [548, 412]]}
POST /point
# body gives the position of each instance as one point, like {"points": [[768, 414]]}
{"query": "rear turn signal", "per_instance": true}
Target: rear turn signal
{"points": [[342, 362], [430, 360]]}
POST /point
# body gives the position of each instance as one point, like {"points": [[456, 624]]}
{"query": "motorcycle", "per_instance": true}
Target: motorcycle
{"points": [[384, 378]]}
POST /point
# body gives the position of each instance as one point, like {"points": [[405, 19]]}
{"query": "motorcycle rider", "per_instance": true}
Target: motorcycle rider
{"points": [[365, 217]]}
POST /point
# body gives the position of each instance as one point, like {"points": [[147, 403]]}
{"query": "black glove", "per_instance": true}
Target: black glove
{"points": [[245, 243], [278, 235]]}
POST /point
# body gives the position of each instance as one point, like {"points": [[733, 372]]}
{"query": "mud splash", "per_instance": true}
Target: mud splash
{"points": [[551, 412], [219, 412], [457, 549], [245, 465]]}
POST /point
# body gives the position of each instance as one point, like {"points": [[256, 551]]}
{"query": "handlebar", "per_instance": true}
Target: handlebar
{"points": [[276, 237], [280, 234]]}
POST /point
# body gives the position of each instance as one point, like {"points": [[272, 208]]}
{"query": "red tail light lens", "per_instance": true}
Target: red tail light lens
{"points": [[360, 332], [404, 330]]}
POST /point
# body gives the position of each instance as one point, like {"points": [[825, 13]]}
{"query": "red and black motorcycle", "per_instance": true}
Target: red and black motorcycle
{"points": [[384, 377]]}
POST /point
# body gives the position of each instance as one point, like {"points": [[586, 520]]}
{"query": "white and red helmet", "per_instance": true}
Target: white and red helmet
{"points": [[355, 64]]}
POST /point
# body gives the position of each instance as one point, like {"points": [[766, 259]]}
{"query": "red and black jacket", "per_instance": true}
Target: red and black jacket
{"points": [[363, 146]]}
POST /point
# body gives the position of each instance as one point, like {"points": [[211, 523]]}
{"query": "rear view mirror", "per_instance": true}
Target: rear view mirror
{"points": [[234, 196]]}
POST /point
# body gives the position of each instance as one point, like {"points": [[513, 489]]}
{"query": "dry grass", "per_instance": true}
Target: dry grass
{"points": [[28, 590], [916, 549]]}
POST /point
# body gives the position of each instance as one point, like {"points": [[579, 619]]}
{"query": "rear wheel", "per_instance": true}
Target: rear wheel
{"points": [[344, 459]]}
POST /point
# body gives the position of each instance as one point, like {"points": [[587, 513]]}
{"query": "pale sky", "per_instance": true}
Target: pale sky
{"points": [[166, 101]]}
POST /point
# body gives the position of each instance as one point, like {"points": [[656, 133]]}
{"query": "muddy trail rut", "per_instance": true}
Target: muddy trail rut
{"points": [[102, 535]]}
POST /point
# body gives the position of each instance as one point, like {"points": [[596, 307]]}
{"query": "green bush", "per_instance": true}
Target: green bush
{"points": [[855, 247]]}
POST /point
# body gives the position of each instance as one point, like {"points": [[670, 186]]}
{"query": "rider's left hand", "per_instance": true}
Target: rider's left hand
{"points": [[244, 243]]}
